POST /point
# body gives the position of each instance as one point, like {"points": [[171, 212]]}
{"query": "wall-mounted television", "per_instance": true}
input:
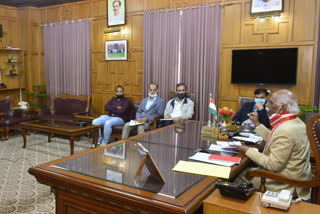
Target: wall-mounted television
{"points": [[276, 66]]}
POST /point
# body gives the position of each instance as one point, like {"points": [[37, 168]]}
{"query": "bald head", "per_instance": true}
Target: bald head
{"points": [[285, 101]]}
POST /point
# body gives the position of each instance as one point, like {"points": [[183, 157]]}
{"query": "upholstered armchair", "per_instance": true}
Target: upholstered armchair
{"points": [[4, 111], [313, 132], [9, 119], [64, 107]]}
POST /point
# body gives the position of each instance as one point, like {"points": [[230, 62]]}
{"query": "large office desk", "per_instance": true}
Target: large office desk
{"points": [[102, 180]]}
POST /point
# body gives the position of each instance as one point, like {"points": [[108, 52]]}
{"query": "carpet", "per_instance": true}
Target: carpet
{"points": [[19, 191]]}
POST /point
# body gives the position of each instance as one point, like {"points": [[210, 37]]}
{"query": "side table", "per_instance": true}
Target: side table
{"points": [[216, 203]]}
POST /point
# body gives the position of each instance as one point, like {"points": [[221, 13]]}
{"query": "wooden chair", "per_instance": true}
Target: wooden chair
{"points": [[313, 132]]}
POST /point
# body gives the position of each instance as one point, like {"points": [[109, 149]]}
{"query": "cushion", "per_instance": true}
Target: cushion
{"points": [[69, 106]]}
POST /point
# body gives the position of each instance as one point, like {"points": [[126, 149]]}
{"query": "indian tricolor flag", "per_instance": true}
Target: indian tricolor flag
{"points": [[212, 107]]}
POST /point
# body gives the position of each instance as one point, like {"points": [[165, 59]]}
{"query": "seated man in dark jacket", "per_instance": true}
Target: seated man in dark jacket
{"points": [[118, 108], [257, 106]]}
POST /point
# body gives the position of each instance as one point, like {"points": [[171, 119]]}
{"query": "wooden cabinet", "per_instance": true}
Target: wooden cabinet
{"points": [[12, 69]]}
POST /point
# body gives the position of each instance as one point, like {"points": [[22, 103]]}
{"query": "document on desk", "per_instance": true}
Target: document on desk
{"points": [[166, 119], [217, 148], [204, 157], [202, 169], [247, 139], [226, 143]]}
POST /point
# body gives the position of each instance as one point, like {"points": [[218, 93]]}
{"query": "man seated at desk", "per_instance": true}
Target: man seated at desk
{"points": [[179, 108], [149, 108], [257, 106], [287, 149], [118, 108]]}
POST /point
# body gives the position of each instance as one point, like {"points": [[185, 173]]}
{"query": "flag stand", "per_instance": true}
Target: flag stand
{"points": [[211, 130]]}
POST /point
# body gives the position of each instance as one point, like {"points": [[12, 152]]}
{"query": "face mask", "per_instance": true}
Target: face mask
{"points": [[152, 95], [256, 100], [120, 96], [274, 114], [181, 96]]}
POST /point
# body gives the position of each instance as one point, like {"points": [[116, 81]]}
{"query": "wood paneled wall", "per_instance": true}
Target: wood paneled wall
{"points": [[297, 27], [9, 19]]}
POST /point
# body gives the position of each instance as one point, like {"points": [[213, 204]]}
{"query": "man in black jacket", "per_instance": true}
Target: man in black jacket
{"points": [[257, 106]]}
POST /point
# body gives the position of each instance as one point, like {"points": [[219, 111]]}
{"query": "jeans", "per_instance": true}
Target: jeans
{"points": [[107, 121]]}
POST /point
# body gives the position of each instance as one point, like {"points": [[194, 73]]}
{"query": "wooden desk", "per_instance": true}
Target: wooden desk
{"points": [[102, 180], [216, 203]]}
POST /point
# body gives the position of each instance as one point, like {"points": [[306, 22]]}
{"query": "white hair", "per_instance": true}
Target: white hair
{"points": [[286, 97]]}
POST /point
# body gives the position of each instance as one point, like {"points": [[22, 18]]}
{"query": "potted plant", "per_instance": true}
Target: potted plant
{"points": [[306, 112], [37, 98]]}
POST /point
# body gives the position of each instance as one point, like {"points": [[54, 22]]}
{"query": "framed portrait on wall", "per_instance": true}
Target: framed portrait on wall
{"points": [[266, 6], [116, 12], [116, 50], [117, 151]]}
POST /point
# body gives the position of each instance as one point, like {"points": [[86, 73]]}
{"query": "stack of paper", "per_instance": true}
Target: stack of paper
{"points": [[217, 148], [205, 157], [247, 139]]}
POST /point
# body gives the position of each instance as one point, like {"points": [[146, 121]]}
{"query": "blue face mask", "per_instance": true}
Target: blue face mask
{"points": [[257, 100]]}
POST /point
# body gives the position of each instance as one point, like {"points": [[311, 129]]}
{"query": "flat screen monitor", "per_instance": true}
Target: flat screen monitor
{"points": [[265, 66]]}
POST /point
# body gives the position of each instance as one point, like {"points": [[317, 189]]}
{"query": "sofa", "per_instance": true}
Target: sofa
{"points": [[117, 130], [64, 106]]}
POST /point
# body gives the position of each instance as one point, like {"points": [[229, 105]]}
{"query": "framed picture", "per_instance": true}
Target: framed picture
{"points": [[266, 6], [116, 12], [116, 50], [115, 176], [117, 151]]}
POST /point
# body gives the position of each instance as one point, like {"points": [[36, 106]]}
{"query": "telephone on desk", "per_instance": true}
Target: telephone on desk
{"points": [[280, 200], [241, 191], [23, 105]]}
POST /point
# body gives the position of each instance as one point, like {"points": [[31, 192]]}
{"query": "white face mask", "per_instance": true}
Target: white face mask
{"points": [[152, 95], [274, 114]]}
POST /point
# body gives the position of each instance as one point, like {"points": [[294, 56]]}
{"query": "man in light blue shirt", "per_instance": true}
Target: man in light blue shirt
{"points": [[150, 107]]}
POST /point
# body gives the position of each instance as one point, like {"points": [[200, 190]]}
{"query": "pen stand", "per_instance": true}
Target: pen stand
{"points": [[212, 132]]}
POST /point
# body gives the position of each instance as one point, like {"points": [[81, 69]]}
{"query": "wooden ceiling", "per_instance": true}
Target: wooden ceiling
{"points": [[34, 3]]}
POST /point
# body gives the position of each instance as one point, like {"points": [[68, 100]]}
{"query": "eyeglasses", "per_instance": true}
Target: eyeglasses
{"points": [[269, 101]]}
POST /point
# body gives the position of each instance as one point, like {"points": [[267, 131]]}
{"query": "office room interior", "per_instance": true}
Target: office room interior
{"points": [[23, 61]]}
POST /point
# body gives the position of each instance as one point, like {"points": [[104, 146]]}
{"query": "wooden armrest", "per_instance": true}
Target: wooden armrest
{"points": [[79, 113], [156, 121], [281, 178], [3, 115]]}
